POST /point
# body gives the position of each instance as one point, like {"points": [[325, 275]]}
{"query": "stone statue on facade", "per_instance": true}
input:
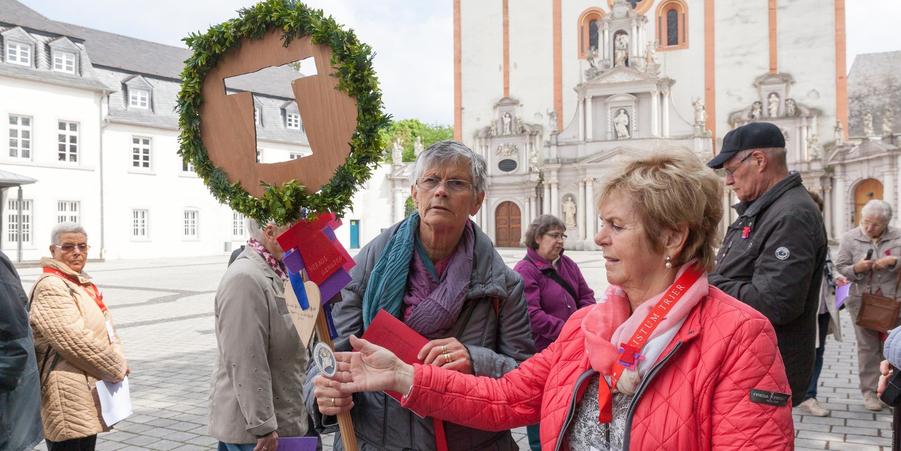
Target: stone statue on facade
{"points": [[772, 104], [417, 146], [867, 124], [593, 58], [813, 146], [888, 119], [756, 110], [700, 114], [791, 108], [507, 124], [839, 133], [621, 50], [569, 212], [650, 53], [397, 152], [621, 124]]}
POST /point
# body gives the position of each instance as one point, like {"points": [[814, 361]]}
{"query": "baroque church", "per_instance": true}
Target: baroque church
{"points": [[555, 93]]}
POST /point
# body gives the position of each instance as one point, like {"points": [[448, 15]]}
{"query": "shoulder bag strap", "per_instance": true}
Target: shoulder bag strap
{"points": [[552, 274], [43, 370]]}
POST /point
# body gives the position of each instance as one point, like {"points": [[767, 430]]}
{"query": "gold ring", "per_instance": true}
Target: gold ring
{"points": [[333, 402], [446, 357], [444, 349]]}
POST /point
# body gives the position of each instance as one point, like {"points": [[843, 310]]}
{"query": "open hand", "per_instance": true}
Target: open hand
{"points": [[371, 368], [447, 353]]}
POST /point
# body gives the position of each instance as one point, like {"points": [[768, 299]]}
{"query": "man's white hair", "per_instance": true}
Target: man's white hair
{"points": [[66, 227]]}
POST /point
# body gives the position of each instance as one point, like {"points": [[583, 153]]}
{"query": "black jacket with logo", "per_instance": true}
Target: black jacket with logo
{"points": [[772, 259]]}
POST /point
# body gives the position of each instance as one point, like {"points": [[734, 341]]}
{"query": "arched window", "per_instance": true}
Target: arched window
{"points": [[589, 22], [672, 25]]}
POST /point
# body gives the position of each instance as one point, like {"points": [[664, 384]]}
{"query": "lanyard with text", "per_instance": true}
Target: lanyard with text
{"points": [[90, 288], [630, 352]]}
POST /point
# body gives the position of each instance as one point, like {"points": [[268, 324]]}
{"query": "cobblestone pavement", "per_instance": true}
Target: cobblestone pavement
{"points": [[164, 313]]}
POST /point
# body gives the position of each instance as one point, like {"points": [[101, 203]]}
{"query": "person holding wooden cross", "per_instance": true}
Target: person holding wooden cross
{"points": [[441, 275]]}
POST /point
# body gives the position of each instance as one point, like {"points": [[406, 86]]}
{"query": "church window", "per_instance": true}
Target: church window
{"points": [[589, 29], [672, 30]]}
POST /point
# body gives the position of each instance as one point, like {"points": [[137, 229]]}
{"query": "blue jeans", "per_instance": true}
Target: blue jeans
{"points": [[823, 323], [236, 447]]}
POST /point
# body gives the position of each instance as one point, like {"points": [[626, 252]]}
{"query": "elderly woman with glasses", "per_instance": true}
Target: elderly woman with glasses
{"points": [[75, 342], [664, 362], [440, 275]]}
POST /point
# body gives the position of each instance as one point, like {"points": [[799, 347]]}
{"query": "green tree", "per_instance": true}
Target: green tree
{"points": [[407, 130]]}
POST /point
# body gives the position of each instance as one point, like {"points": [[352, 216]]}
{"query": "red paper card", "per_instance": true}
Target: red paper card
{"points": [[395, 336]]}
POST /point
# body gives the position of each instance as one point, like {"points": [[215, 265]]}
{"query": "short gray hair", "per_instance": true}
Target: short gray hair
{"points": [[452, 152], [66, 227], [877, 207], [253, 229], [541, 225]]}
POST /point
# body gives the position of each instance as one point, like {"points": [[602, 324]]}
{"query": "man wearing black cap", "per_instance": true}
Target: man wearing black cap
{"points": [[772, 256]]}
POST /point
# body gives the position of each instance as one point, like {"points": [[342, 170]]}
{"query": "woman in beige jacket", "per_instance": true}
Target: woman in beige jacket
{"points": [[75, 341]]}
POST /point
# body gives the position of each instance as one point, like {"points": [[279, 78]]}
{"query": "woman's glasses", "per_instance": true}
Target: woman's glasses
{"points": [[69, 247]]}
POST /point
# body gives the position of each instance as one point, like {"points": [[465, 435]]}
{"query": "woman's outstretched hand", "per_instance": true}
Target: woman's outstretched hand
{"points": [[371, 368]]}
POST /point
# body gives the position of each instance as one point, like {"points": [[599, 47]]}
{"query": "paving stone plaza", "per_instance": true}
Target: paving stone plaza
{"points": [[164, 314]]}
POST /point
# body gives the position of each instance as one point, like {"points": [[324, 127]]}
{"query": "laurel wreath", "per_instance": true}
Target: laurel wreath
{"points": [[352, 60]]}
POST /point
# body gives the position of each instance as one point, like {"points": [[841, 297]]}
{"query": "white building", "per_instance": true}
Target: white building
{"points": [[90, 117]]}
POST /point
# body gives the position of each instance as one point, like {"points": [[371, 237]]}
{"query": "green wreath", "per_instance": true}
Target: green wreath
{"points": [[352, 61]]}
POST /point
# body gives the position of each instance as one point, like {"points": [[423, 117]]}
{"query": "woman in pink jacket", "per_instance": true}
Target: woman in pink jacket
{"points": [[665, 361]]}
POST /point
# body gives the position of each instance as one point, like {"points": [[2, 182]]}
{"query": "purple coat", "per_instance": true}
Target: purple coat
{"points": [[550, 305]]}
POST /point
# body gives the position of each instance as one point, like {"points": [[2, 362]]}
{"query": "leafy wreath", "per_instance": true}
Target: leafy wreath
{"points": [[352, 61]]}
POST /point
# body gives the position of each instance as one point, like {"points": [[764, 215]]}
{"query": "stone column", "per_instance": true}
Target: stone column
{"points": [[828, 207], [589, 119], [485, 215], [580, 210], [531, 206], [839, 219], [555, 201], [590, 214], [888, 185], [606, 42], [633, 50], [666, 103], [583, 118], [546, 199], [655, 113], [400, 198]]}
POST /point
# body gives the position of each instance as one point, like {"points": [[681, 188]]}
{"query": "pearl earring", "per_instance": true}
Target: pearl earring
{"points": [[669, 263]]}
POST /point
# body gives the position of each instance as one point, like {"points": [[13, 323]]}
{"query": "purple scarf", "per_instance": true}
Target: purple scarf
{"points": [[432, 308]]}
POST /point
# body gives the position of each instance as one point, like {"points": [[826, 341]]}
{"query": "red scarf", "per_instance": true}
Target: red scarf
{"points": [[273, 262], [88, 287]]}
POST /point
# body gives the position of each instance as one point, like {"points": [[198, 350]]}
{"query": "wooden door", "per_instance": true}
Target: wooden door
{"points": [[865, 191], [507, 227]]}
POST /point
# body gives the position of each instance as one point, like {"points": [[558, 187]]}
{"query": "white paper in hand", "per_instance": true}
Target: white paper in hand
{"points": [[115, 401]]}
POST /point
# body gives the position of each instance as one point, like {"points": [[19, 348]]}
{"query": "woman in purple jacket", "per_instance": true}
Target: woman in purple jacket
{"points": [[553, 287]]}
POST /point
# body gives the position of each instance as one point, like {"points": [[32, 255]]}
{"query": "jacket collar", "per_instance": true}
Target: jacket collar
{"points": [[258, 260], [752, 208], [82, 277], [540, 262], [891, 233]]}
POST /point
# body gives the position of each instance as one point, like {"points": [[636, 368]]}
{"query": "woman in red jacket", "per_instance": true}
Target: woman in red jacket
{"points": [[664, 361]]}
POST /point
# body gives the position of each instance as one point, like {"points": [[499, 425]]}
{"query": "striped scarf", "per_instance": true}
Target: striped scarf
{"points": [[273, 262]]}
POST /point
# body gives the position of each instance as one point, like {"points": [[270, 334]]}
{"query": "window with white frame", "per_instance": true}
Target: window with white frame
{"points": [[292, 121], [138, 98], [67, 141], [19, 136], [18, 53], [191, 223], [259, 155], [237, 224], [67, 211], [139, 226], [140, 152], [12, 220], [257, 115], [64, 61], [295, 156]]}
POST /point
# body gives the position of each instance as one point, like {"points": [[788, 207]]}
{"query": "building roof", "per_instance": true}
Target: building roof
{"points": [[138, 56], [874, 86], [11, 179]]}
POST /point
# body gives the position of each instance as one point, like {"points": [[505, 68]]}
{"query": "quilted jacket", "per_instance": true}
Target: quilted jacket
{"points": [[68, 323], [696, 396]]}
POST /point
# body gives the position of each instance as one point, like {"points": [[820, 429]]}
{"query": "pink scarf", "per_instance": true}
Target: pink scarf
{"points": [[610, 322]]}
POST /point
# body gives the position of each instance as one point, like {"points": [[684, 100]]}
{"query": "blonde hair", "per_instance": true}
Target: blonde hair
{"points": [[669, 189]]}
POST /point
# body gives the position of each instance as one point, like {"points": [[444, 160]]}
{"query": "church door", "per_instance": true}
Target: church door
{"points": [[507, 228], [865, 191]]}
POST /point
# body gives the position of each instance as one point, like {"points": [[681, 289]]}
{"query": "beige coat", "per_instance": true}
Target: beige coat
{"points": [[852, 249], [259, 374], [68, 323]]}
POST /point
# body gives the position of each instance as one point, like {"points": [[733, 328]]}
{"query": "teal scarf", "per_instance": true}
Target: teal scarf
{"points": [[388, 279]]}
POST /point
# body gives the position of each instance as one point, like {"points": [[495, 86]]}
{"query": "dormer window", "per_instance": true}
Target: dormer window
{"points": [[18, 53], [257, 116], [138, 98], [292, 121], [64, 61]]}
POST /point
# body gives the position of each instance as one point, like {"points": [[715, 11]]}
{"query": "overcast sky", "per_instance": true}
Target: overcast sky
{"points": [[412, 39]]}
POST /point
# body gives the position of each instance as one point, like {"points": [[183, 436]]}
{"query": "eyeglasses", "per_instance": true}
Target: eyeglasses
{"points": [[556, 235], [69, 247], [453, 185], [731, 172]]}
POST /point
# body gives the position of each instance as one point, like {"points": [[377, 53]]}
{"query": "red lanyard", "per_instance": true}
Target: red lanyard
{"points": [[630, 352], [89, 288]]}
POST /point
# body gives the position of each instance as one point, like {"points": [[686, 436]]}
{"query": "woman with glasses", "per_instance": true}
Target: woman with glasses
{"points": [[553, 286], [75, 343], [438, 273]]}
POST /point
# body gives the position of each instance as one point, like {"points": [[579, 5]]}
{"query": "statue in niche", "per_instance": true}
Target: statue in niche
{"points": [[397, 152], [700, 113], [507, 124], [867, 124], [650, 53], [417, 146], [888, 119], [756, 110], [621, 50], [813, 146], [621, 124], [569, 212], [791, 109], [772, 104], [593, 58], [838, 131]]}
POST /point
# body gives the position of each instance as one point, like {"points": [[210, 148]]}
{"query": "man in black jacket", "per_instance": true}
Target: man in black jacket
{"points": [[772, 256]]}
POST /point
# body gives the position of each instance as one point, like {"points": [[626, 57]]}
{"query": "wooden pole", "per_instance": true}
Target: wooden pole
{"points": [[345, 423]]}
